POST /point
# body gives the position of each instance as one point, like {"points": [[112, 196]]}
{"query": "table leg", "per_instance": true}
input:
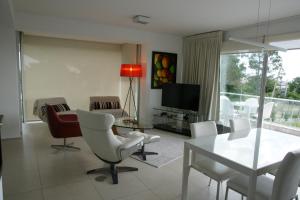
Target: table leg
{"points": [[185, 173], [252, 186]]}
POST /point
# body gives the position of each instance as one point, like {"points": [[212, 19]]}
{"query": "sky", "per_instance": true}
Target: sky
{"points": [[291, 64]]}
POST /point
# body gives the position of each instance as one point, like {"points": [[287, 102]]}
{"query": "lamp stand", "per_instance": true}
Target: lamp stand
{"points": [[130, 94]]}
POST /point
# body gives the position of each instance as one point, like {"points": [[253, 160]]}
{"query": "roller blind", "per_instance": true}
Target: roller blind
{"points": [[72, 69]]}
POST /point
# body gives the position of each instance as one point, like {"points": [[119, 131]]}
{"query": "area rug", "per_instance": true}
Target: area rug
{"points": [[169, 148]]}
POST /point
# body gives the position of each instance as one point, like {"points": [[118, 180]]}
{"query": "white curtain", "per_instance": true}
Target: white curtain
{"points": [[201, 57]]}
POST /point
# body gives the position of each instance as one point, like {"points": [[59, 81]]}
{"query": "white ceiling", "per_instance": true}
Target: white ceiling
{"points": [[180, 17]]}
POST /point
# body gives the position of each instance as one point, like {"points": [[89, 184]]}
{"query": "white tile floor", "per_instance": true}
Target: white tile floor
{"points": [[34, 171]]}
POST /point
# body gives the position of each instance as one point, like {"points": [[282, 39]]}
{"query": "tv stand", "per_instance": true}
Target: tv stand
{"points": [[174, 120], [178, 121]]}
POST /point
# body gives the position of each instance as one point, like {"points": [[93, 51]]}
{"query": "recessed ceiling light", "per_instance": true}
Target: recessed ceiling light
{"points": [[141, 19]]}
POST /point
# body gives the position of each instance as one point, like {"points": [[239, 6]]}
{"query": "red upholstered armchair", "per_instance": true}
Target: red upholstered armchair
{"points": [[63, 126]]}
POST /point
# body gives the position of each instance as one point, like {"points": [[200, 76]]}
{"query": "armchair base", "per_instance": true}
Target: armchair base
{"points": [[142, 153], [65, 146], [113, 170]]}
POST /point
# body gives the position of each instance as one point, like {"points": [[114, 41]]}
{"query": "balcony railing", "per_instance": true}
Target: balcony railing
{"points": [[285, 112]]}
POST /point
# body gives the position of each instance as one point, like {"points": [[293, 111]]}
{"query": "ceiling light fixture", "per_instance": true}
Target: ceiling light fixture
{"points": [[141, 19]]}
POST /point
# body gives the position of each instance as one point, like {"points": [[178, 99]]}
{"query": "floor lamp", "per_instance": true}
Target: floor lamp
{"points": [[131, 71]]}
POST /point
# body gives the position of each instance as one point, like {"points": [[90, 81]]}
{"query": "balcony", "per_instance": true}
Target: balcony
{"points": [[284, 117]]}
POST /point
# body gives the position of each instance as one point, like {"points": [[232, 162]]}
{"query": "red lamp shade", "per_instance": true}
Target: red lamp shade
{"points": [[131, 70]]}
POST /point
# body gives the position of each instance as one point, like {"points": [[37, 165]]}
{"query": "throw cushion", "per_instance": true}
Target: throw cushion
{"points": [[58, 108], [61, 107], [115, 105], [106, 105]]}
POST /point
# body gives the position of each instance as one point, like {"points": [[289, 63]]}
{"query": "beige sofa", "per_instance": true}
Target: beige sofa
{"points": [[107, 104]]}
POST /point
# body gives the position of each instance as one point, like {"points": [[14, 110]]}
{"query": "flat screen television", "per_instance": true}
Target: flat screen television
{"points": [[181, 96]]}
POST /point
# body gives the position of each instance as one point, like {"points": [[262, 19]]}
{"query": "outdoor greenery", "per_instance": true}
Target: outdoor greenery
{"points": [[293, 91], [243, 75]]}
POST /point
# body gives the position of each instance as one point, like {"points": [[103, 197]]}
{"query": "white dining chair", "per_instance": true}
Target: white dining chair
{"points": [[205, 165], [240, 124], [283, 187], [226, 109], [250, 107], [268, 107]]}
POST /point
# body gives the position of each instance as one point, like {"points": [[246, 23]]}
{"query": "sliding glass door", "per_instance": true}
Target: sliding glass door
{"points": [[241, 79], [282, 93], [240, 86]]}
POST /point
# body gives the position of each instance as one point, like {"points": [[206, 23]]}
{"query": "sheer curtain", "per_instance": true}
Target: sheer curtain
{"points": [[201, 54]]}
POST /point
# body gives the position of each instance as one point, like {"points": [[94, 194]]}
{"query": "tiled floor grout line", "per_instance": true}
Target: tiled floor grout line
{"points": [[39, 172], [94, 186], [148, 187]]}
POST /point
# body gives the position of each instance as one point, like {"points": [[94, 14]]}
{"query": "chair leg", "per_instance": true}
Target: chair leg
{"points": [[242, 197], [209, 182], [114, 173], [296, 197], [113, 170], [64, 146], [226, 193], [142, 153], [218, 191]]}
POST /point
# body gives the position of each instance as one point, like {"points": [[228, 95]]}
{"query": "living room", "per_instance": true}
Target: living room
{"points": [[77, 51]]}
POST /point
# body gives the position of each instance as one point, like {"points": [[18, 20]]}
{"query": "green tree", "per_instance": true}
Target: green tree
{"points": [[293, 91], [275, 72], [234, 73], [274, 75]]}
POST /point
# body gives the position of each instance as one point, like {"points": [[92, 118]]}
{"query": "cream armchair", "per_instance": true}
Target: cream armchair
{"points": [[110, 148], [39, 107]]}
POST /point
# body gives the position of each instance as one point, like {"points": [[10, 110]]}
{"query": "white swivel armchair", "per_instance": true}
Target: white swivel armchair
{"points": [[283, 187], [209, 167], [111, 149]]}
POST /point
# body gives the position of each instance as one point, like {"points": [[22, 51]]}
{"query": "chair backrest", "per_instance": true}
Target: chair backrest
{"points": [[96, 131], [268, 107], [240, 124], [251, 105], [206, 128], [53, 121], [226, 106], [198, 129], [287, 177]]}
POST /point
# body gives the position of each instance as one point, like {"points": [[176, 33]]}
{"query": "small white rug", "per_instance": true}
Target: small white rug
{"points": [[169, 148]]}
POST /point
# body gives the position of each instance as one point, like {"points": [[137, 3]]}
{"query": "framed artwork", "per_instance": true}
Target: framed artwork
{"points": [[164, 67]]}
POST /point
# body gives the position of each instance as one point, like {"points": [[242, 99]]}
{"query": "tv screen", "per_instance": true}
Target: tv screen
{"points": [[181, 96]]}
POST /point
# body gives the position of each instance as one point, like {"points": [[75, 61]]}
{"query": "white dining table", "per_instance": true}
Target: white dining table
{"points": [[251, 153]]}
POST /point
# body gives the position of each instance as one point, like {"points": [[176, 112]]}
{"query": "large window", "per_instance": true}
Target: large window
{"points": [[240, 82]]}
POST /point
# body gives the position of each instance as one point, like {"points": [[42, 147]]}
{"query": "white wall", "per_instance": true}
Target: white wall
{"points": [[9, 95], [65, 28]]}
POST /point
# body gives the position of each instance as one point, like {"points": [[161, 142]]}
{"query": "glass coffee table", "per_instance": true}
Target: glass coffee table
{"points": [[130, 125]]}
